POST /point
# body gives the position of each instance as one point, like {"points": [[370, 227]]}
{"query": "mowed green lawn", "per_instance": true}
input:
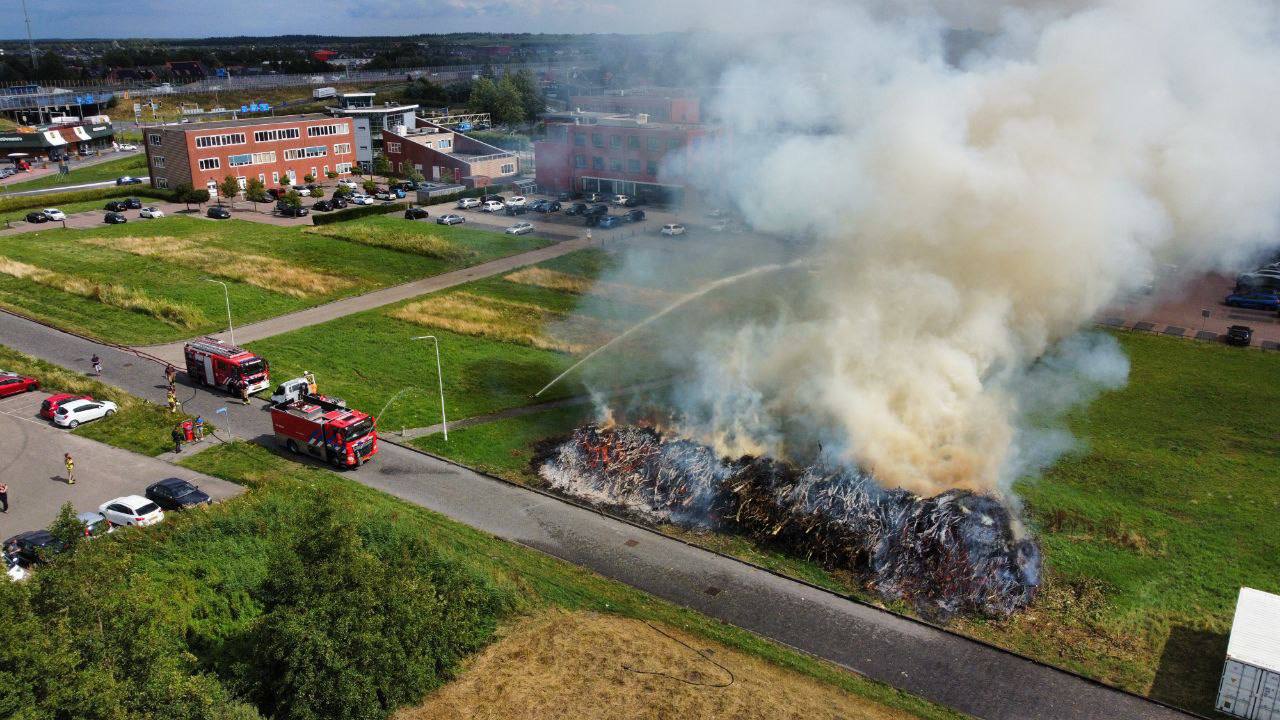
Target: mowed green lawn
{"points": [[369, 359], [135, 165], [145, 282], [1149, 530]]}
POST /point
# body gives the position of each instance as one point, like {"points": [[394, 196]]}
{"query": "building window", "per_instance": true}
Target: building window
{"points": [[444, 144], [633, 166], [615, 141], [210, 164], [633, 142], [154, 138], [273, 135], [264, 158], [220, 140], [615, 165], [342, 149], [238, 160], [326, 169], [242, 182], [335, 129], [262, 178], [597, 140], [275, 178], [157, 161], [162, 183], [342, 167], [393, 147], [580, 161], [652, 143], [597, 163], [317, 151], [508, 168], [580, 139], [293, 154], [652, 168]]}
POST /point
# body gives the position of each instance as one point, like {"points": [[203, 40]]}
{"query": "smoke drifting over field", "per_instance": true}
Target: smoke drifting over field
{"points": [[971, 215]]}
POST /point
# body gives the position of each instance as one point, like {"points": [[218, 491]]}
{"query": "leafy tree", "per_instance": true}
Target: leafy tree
{"points": [[446, 175], [256, 193], [67, 528], [415, 175], [484, 95], [228, 189], [370, 187], [332, 174], [292, 199], [199, 196], [351, 632], [508, 106], [381, 166], [308, 178], [317, 193], [182, 194], [531, 98]]}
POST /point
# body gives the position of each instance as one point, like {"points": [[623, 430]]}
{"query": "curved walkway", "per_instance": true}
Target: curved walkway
{"points": [[920, 659]]}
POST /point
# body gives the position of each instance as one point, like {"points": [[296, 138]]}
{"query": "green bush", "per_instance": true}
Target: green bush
{"points": [[45, 200], [354, 213]]}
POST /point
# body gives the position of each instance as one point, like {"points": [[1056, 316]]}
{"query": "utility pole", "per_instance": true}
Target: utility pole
{"points": [[31, 45]]}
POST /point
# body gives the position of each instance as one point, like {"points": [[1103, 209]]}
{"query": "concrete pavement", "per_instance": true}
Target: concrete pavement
{"points": [[920, 659], [31, 465]]}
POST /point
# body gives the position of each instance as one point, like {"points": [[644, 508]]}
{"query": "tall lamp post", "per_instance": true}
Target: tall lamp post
{"points": [[440, 377], [226, 296]]}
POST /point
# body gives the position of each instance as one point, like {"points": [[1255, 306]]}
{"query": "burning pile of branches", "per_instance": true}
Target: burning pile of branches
{"points": [[955, 552]]}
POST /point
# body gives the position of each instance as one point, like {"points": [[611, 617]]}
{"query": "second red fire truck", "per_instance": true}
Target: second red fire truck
{"points": [[213, 362], [325, 428]]}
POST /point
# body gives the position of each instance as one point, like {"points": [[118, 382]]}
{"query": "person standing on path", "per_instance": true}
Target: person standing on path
{"points": [[171, 375], [199, 428], [97, 364], [178, 437], [244, 393], [4, 497], [173, 401], [71, 468]]}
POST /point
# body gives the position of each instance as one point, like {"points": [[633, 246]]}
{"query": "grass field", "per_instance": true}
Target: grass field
{"points": [[109, 170], [500, 342], [144, 282], [1148, 530], [68, 208], [218, 568]]}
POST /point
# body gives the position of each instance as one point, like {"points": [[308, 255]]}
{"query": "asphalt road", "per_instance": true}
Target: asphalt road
{"points": [[922, 660], [31, 465]]}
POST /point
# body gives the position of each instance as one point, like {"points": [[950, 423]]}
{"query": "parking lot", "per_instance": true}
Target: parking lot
{"points": [[31, 451], [1182, 313]]}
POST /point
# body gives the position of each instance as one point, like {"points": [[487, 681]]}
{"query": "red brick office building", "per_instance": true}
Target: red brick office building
{"points": [[629, 154], [278, 151]]}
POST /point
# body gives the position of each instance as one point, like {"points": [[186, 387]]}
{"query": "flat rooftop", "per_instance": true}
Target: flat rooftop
{"points": [[612, 119], [242, 122]]}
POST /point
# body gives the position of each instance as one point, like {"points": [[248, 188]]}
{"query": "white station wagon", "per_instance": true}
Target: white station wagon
{"points": [[71, 414], [131, 510]]}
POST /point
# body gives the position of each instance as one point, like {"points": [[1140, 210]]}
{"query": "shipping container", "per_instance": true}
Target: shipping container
{"points": [[1250, 686]]}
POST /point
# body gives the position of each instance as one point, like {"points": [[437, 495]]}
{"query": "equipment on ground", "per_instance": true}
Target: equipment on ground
{"points": [[1250, 686], [213, 362], [327, 429]]}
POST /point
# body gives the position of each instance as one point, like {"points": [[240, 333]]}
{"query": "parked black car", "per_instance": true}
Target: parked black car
{"points": [[117, 205], [486, 198], [114, 218], [576, 209], [37, 217], [175, 494], [133, 203], [128, 180], [217, 212], [415, 213], [600, 209], [635, 215], [515, 210], [566, 196], [288, 211], [338, 202], [546, 206], [1240, 335], [406, 185], [322, 205], [32, 547]]}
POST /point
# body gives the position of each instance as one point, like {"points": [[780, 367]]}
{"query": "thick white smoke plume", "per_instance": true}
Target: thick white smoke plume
{"points": [[973, 214]]}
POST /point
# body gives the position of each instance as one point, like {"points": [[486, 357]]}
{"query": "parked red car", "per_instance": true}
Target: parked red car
{"points": [[53, 402], [13, 383]]}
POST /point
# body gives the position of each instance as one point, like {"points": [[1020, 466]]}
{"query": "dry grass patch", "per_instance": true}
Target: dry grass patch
{"points": [[573, 666], [268, 273], [507, 321], [579, 285], [176, 314], [429, 242]]}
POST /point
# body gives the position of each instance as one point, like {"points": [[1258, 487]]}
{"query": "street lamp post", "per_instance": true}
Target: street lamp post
{"points": [[226, 296], [444, 422]]}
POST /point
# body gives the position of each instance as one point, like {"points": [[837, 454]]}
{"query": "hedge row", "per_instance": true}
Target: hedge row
{"points": [[44, 200], [356, 212]]}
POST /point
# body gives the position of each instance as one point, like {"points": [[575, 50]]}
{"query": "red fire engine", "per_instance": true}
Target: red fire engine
{"points": [[213, 362], [325, 428]]}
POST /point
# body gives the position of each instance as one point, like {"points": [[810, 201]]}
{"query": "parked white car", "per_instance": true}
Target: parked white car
{"points": [[620, 199], [54, 214], [151, 212], [349, 184], [492, 206], [72, 414], [131, 510], [673, 229], [517, 200], [361, 199], [125, 146], [465, 203], [450, 219], [520, 228]]}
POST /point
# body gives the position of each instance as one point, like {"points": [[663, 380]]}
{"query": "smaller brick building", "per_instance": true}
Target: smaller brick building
{"points": [[440, 153], [276, 150]]}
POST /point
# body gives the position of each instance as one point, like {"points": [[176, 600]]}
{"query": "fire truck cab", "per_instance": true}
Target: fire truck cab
{"points": [[327, 429], [213, 362]]}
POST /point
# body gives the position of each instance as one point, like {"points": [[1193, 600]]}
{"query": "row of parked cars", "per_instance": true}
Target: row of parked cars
{"points": [[27, 549]]}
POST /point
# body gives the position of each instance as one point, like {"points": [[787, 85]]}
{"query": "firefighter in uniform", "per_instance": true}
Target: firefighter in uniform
{"points": [[71, 468], [173, 401]]}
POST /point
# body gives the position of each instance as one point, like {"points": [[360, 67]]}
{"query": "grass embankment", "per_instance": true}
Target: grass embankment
{"points": [[139, 426], [144, 282], [1148, 531], [16, 207], [233, 549], [501, 340], [80, 174]]}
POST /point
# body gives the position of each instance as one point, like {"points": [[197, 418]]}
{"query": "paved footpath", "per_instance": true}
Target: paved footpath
{"points": [[919, 659]]}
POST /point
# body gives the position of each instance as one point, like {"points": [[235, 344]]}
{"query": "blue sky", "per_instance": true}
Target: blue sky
{"points": [[185, 18]]}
